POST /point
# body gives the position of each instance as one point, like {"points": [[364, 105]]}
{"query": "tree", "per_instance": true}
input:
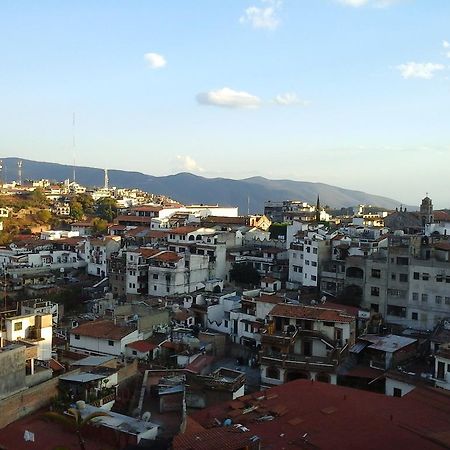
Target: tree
{"points": [[245, 273], [38, 198], [77, 423], [86, 201], [106, 208], [44, 216], [99, 226], [278, 230], [351, 295], [76, 210]]}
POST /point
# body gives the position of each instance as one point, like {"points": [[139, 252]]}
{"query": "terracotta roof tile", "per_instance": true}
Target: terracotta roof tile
{"points": [[105, 329], [311, 313]]}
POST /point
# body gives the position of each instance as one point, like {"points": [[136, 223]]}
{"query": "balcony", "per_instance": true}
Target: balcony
{"points": [[278, 337], [295, 361]]}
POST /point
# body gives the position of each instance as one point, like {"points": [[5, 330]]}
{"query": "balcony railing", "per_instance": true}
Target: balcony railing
{"points": [[278, 338], [291, 360]]}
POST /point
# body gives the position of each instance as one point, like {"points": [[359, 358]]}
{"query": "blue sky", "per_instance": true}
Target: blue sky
{"points": [[354, 93]]}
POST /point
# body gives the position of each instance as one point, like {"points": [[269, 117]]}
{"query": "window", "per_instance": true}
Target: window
{"points": [[313, 278], [328, 324], [155, 276], [111, 343], [415, 296], [77, 337], [226, 323], [447, 300], [402, 260], [404, 277], [376, 273], [273, 372], [397, 392], [438, 299], [315, 251], [308, 249], [415, 316], [425, 276], [424, 298], [374, 307], [397, 311], [17, 326], [306, 262], [313, 263], [416, 275], [134, 352], [375, 291], [393, 276], [439, 278], [154, 288]]}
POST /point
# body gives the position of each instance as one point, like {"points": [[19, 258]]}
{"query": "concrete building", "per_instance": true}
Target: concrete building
{"points": [[304, 342]]}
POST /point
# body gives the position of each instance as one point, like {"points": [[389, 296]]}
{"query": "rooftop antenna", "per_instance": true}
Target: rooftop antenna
{"points": [[248, 205], [73, 146], [19, 171], [1, 171], [106, 185]]}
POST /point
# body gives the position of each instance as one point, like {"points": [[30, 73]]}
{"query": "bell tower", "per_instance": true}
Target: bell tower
{"points": [[426, 211]]}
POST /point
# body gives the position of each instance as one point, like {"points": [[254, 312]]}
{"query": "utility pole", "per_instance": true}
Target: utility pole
{"points": [[73, 147]]}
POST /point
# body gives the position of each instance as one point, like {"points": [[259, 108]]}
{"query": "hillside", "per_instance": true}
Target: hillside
{"points": [[189, 188]]}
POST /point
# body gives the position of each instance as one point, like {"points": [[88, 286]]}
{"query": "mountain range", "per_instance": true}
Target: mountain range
{"points": [[249, 193]]}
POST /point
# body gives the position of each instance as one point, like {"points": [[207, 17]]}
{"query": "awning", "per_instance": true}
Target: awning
{"points": [[359, 347]]}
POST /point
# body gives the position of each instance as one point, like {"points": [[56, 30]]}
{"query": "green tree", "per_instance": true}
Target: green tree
{"points": [[106, 208], [245, 273], [99, 225], [278, 230], [87, 202], [76, 423], [44, 216], [76, 210], [38, 198]]}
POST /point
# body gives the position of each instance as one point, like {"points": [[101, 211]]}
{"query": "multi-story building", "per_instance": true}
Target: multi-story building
{"points": [[98, 251], [304, 342], [307, 254]]}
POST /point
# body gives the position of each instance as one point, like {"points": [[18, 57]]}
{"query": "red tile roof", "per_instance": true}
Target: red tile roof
{"points": [[142, 346], [151, 208], [441, 216], [266, 298], [216, 438], [337, 417], [167, 256], [104, 329], [311, 313], [183, 230], [135, 219]]}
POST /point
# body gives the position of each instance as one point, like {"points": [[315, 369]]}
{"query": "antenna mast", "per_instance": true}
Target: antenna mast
{"points": [[19, 171], [106, 184], [73, 146]]}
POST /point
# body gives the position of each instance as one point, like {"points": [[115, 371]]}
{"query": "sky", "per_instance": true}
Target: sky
{"points": [[354, 93]]}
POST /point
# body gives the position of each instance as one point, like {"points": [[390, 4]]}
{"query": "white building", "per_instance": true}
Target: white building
{"points": [[102, 337], [98, 252], [30, 329], [442, 367]]}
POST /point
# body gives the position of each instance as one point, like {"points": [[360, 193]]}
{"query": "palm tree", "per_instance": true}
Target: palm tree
{"points": [[77, 423]]}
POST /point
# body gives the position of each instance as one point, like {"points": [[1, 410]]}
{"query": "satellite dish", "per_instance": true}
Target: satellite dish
{"points": [[146, 416]]}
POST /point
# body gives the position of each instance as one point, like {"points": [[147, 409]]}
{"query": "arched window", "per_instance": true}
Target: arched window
{"points": [[191, 237]]}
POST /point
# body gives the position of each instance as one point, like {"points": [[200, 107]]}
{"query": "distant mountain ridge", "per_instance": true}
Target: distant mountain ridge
{"points": [[188, 188]]}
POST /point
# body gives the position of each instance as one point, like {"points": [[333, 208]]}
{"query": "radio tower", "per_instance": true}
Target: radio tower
{"points": [[106, 185], [1, 172], [73, 146], [19, 172]]}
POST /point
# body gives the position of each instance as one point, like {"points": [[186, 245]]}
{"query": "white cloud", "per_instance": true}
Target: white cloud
{"points": [[373, 3], [187, 163], [446, 46], [288, 99], [229, 98], [425, 71], [155, 60], [263, 17]]}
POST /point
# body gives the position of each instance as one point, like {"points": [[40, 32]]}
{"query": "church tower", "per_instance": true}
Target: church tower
{"points": [[318, 209], [426, 211]]}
